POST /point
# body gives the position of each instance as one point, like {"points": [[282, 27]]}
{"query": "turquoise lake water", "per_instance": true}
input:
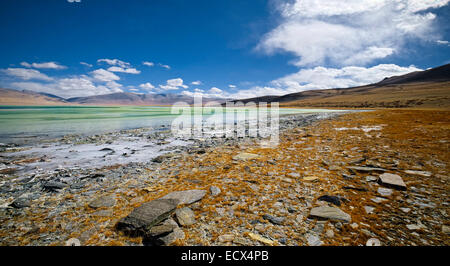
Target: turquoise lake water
{"points": [[25, 122]]}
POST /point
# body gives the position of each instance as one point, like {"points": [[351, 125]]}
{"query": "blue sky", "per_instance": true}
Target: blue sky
{"points": [[234, 49]]}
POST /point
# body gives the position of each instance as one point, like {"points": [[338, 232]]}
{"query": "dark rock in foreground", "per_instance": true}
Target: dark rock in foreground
{"points": [[141, 219]]}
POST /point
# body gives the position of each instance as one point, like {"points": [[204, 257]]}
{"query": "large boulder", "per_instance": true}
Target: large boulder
{"points": [[141, 219]]}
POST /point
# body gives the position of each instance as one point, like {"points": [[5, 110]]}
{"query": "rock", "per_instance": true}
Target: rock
{"points": [[185, 216], [294, 175], [54, 186], [331, 199], [405, 210], [386, 192], [103, 213], [244, 156], [446, 229], [214, 190], [354, 225], [366, 169], [369, 209], [261, 239], [414, 226], [159, 230], [392, 180], [141, 219], [226, 238], [273, 219], [177, 234], [186, 196], [73, 242], [310, 178], [163, 157], [21, 203], [103, 201], [378, 200], [370, 178], [330, 213], [313, 240], [329, 233], [420, 173], [373, 242]]}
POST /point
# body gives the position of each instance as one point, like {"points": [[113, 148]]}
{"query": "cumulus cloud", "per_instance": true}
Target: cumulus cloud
{"points": [[46, 65], [173, 84], [146, 63], [147, 86], [104, 75], [355, 32], [25, 74], [114, 62], [198, 82], [443, 42], [124, 70], [231, 86]]}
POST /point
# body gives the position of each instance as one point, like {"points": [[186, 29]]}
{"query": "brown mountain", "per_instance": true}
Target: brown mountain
{"points": [[429, 88], [15, 97]]}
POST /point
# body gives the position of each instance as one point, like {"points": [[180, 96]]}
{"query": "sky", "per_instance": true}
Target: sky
{"points": [[225, 49]]}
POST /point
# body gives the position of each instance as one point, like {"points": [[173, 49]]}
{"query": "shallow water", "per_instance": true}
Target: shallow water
{"points": [[23, 124]]}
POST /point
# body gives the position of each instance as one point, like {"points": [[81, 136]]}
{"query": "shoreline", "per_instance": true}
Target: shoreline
{"points": [[273, 184]]}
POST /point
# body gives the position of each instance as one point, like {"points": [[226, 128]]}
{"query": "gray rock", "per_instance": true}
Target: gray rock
{"points": [[103, 201], [420, 173], [186, 196], [330, 213], [370, 178], [162, 229], [313, 240], [53, 185], [244, 156], [446, 229], [392, 180], [214, 190], [366, 169], [144, 217], [386, 192], [369, 209], [21, 203], [185, 216], [177, 234], [103, 213], [273, 219]]}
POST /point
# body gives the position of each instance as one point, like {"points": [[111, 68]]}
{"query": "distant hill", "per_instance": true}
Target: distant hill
{"points": [[15, 97], [429, 88]]}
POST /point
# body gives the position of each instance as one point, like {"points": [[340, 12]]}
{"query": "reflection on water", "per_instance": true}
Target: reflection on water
{"points": [[18, 123]]}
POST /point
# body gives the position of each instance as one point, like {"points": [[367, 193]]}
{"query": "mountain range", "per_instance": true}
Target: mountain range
{"points": [[429, 88]]}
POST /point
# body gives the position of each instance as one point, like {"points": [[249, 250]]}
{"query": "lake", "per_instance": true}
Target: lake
{"points": [[19, 124]]}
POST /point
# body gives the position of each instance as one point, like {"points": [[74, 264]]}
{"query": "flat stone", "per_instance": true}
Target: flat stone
{"points": [[244, 156], [103, 213], [310, 178], [392, 180], [369, 209], [378, 200], [159, 230], [21, 203], [261, 239], [273, 219], [405, 210], [185, 216], [446, 229], [214, 190], [53, 185], [103, 201], [329, 233], [226, 238], [420, 173], [330, 213], [413, 227], [370, 178], [366, 169], [386, 192], [313, 240], [177, 234], [186, 196], [144, 217]]}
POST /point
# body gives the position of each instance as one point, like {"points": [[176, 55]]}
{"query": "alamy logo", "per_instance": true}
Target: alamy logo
{"points": [[229, 120]]}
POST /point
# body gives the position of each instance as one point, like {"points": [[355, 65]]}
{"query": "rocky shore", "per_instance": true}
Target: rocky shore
{"points": [[366, 178]]}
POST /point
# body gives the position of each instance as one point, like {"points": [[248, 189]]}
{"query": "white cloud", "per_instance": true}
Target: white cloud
{"points": [[85, 64], [164, 66], [46, 65], [174, 84], [147, 86], [104, 75], [443, 42], [231, 86], [74, 1], [198, 82], [124, 70], [70, 87], [146, 63], [114, 62], [350, 32], [215, 90], [26, 74]]}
